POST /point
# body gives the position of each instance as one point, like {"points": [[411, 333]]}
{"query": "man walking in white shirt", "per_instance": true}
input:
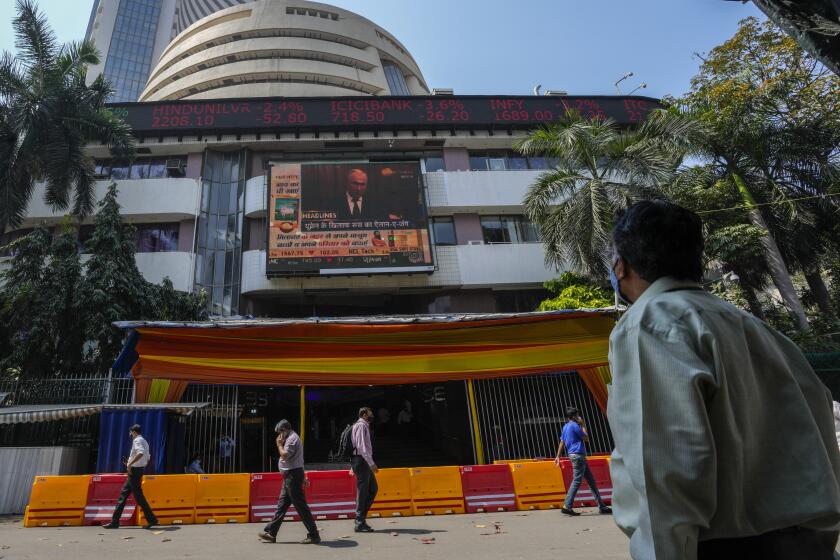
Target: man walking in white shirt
{"points": [[364, 468], [724, 440], [136, 464]]}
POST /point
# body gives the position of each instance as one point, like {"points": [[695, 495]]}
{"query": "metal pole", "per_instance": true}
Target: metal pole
{"points": [[302, 412], [477, 447]]}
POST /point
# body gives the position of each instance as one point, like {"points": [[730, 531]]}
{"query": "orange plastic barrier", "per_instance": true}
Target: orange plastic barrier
{"points": [[171, 497], [265, 491], [538, 485], [600, 468], [102, 498], [57, 501], [436, 490], [331, 494], [394, 496], [488, 488], [222, 498]]}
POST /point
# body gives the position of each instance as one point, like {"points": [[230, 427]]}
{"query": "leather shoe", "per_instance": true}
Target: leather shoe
{"points": [[267, 538], [311, 540], [570, 512], [111, 525], [151, 523], [606, 510], [364, 528]]}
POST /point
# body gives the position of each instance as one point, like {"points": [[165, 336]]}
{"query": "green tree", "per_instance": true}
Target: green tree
{"points": [[47, 115], [41, 294], [601, 168], [573, 291], [173, 305]]}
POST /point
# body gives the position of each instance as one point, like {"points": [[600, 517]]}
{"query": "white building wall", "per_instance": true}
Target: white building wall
{"points": [[178, 266]]}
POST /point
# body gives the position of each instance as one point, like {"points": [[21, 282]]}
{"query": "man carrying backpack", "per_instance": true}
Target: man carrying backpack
{"points": [[364, 468]]}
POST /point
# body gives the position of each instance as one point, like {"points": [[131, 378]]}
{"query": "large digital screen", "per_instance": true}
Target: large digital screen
{"points": [[213, 115], [347, 218]]}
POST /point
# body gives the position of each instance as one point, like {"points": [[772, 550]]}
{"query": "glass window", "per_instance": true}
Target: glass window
{"points": [[434, 164], [478, 162], [119, 171], [157, 169], [517, 162], [508, 229], [496, 163], [444, 231], [395, 79], [102, 169], [157, 238], [139, 170], [538, 162]]}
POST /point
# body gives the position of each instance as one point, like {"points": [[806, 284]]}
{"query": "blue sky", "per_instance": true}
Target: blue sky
{"points": [[499, 46]]}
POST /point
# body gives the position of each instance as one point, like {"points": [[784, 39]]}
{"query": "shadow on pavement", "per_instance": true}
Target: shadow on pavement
{"points": [[336, 543], [405, 531]]}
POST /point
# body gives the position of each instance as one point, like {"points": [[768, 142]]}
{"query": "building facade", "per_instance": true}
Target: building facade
{"points": [[244, 90]]}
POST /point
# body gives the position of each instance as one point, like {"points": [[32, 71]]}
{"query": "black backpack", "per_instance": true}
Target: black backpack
{"points": [[345, 442]]}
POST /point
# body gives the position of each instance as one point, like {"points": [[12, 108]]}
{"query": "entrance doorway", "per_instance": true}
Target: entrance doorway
{"points": [[414, 425]]}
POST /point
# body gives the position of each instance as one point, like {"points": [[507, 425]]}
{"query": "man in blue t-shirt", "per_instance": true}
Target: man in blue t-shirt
{"points": [[574, 437]]}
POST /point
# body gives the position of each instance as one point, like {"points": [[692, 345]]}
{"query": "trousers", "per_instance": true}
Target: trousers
{"points": [[366, 487], [134, 486], [794, 543], [582, 471], [292, 495]]}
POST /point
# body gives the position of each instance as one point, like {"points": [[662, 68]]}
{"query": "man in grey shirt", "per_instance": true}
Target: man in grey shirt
{"points": [[724, 436], [291, 465]]}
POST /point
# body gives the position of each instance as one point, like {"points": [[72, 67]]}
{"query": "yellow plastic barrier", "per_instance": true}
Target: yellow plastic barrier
{"points": [[436, 490], [171, 497], [222, 498], [57, 501], [538, 485], [509, 461], [394, 496]]}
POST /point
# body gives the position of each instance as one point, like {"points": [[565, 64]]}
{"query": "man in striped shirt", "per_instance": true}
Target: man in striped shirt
{"points": [[364, 468]]}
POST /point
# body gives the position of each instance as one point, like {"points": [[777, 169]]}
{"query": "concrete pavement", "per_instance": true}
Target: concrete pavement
{"points": [[520, 535]]}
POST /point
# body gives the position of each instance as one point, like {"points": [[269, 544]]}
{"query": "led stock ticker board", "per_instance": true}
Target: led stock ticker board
{"points": [[214, 116], [346, 218]]}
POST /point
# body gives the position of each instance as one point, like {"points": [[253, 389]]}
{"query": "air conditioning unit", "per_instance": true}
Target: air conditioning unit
{"points": [[475, 242], [556, 93], [443, 91], [175, 167]]}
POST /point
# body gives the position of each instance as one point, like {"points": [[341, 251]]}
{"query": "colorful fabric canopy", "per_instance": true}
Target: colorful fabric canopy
{"points": [[366, 352]]}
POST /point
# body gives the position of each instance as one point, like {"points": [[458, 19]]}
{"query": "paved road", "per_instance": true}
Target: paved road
{"points": [[531, 536]]}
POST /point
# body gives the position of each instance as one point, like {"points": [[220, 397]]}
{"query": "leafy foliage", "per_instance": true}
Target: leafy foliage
{"points": [[573, 291], [48, 113]]}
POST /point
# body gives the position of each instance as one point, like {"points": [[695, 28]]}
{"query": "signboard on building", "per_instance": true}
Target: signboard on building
{"points": [[308, 113], [347, 218]]}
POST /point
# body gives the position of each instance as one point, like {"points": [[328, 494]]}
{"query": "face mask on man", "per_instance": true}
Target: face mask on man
{"points": [[616, 285]]}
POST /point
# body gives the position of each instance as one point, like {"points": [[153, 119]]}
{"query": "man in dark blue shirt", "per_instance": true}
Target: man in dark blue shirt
{"points": [[574, 437]]}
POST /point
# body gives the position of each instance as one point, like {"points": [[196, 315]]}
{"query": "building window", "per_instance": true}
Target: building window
{"points": [[141, 168], [157, 238], [434, 164], [444, 231], [508, 229], [508, 161], [395, 79]]}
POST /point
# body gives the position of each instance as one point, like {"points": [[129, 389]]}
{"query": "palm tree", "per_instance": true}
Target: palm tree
{"points": [[47, 115], [758, 163], [600, 168]]}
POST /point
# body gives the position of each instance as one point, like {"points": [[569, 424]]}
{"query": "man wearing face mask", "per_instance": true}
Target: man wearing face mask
{"points": [[364, 468], [724, 436]]}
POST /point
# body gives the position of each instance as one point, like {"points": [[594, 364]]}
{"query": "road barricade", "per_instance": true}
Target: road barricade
{"points": [[265, 492], [57, 501], [331, 494], [538, 485], [103, 492], [394, 496], [222, 498], [171, 497], [600, 468], [436, 490], [488, 488]]}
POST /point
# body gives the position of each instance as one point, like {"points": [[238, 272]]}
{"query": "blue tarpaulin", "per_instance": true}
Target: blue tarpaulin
{"points": [[115, 443]]}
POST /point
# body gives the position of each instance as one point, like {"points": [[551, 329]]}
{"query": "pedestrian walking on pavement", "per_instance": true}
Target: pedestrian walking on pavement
{"points": [[574, 437], [291, 465], [364, 469], [724, 436], [135, 465]]}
